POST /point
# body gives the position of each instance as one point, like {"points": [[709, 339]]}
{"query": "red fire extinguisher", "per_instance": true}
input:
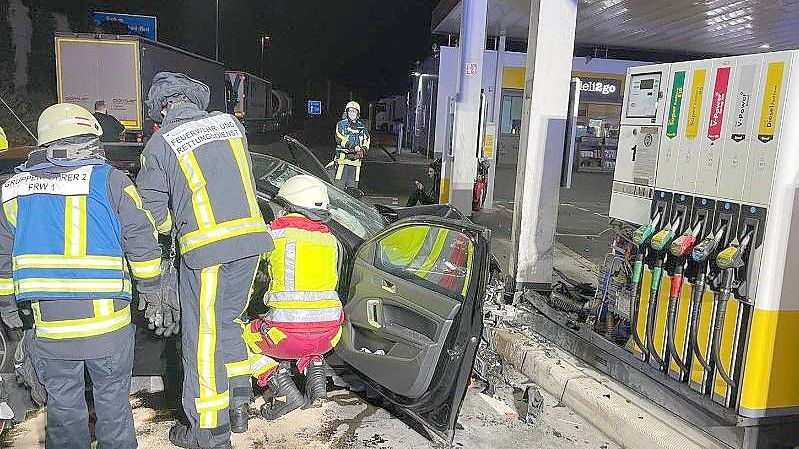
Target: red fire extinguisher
{"points": [[479, 190]]}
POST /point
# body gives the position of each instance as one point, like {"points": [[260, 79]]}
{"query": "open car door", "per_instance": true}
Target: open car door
{"points": [[413, 316]]}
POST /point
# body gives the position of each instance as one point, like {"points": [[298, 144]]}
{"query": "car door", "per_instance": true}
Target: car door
{"points": [[413, 315]]}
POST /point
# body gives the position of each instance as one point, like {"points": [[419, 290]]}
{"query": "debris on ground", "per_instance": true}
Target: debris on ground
{"points": [[499, 406], [534, 402]]}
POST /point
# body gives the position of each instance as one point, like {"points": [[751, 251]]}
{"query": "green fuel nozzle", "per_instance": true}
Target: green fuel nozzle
{"points": [[644, 234]]}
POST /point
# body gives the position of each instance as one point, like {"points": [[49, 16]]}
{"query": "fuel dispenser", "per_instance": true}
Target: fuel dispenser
{"points": [[705, 187]]}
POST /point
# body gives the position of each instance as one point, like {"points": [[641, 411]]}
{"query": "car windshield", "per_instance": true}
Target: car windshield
{"points": [[350, 213]]}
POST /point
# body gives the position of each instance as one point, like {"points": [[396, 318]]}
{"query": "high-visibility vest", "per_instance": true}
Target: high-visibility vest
{"points": [[350, 135], [303, 272], [67, 241], [3, 140]]}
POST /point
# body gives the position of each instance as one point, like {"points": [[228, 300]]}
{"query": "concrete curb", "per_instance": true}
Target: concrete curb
{"points": [[618, 412]]}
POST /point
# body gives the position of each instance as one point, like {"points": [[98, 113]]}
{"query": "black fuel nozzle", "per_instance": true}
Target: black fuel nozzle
{"points": [[708, 245]]}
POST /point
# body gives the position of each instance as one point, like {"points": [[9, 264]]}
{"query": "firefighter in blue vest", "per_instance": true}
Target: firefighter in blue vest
{"points": [[73, 238], [352, 143]]}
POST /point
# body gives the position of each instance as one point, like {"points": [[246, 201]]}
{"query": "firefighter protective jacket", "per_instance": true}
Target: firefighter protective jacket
{"points": [[196, 175], [76, 233]]}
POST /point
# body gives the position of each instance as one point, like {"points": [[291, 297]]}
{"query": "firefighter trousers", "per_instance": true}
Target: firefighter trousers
{"points": [[67, 412], [212, 300]]}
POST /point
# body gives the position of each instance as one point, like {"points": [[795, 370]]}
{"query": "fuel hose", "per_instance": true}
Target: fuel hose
{"points": [[721, 312], [696, 310], [657, 272], [674, 299], [636, 301]]}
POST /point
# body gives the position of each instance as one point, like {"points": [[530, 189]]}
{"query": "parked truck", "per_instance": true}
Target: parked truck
{"points": [[250, 99], [119, 70]]}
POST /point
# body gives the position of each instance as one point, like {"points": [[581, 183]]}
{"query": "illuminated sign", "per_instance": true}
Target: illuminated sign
{"points": [[600, 89]]}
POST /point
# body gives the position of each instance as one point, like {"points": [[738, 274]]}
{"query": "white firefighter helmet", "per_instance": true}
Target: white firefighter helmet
{"points": [[305, 191], [63, 120], [353, 105]]}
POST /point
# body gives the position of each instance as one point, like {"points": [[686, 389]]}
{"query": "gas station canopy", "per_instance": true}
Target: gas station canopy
{"points": [[722, 27]]}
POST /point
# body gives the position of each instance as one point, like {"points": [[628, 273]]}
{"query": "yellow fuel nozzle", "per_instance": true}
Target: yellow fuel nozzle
{"points": [[732, 256], [662, 240]]}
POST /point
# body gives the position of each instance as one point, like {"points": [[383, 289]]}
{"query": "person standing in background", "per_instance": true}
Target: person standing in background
{"points": [[112, 128]]}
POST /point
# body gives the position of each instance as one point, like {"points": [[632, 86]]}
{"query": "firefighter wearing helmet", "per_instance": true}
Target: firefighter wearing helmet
{"points": [[72, 235], [352, 143], [304, 316]]}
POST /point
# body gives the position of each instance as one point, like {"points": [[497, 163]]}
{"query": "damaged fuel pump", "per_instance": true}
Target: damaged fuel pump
{"points": [[700, 282]]}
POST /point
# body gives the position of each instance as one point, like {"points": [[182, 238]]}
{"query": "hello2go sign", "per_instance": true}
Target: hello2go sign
{"points": [[600, 89]]}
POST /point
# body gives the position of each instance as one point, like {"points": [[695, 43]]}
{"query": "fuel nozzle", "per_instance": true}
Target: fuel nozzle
{"points": [[682, 245], [708, 245], [644, 234], [663, 239], [732, 256]]}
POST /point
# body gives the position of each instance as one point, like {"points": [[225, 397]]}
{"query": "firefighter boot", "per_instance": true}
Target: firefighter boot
{"points": [[181, 436], [315, 384], [286, 397], [239, 418]]}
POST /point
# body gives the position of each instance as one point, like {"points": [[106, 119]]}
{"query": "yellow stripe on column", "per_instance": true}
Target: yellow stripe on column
{"points": [[770, 380], [643, 305], [698, 375], [443, 194], [661, 313], [728, 346], [681, 327]]}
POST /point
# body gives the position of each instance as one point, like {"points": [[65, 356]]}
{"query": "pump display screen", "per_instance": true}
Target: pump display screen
{"points": [[643, 96]]}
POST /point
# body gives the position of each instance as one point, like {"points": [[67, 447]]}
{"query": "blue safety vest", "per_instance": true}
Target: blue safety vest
{"points": [[67, 237]]}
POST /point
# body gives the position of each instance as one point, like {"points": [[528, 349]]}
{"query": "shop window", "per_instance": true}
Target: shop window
{"points": [[511, 113]]}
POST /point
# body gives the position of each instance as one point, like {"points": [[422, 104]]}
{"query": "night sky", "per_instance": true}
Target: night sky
{"points": [[368, 45]]}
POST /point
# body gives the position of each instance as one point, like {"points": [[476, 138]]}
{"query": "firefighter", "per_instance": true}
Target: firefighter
{"points": [[3, 140], [196, 176], [304, 316], [352, 143], [72, 233]]}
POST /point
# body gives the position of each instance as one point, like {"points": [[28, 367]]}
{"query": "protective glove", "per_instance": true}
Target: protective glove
{"points": [[171, 314], [170, 308], [152, 304], [11, 319]]}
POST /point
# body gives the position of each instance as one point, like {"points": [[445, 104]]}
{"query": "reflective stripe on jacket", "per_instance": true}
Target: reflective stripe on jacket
{"points": [[198, 166], [352, 134], [303, 271], [67, 238], [76, 234]]}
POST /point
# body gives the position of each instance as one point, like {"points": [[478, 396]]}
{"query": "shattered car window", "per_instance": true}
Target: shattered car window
{"points": [[352, 214], [435, 258]]}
